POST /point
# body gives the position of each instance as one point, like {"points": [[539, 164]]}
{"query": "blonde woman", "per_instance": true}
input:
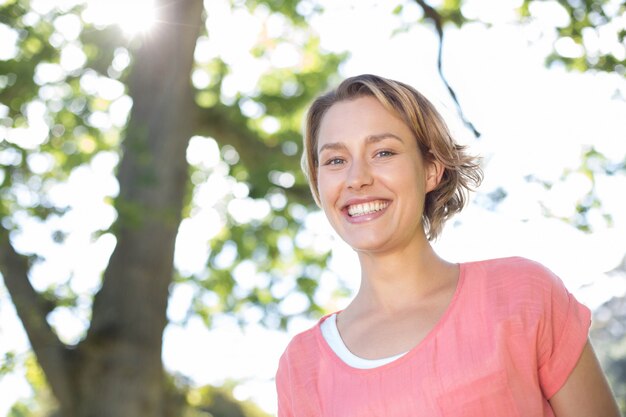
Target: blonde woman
{"points": [[424, 336]]}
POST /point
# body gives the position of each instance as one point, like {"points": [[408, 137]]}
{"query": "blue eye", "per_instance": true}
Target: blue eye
{"points": [[334, 161], [384, 153]]}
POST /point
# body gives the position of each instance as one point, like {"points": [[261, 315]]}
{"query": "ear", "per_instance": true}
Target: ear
{"points": [[434, 173]]}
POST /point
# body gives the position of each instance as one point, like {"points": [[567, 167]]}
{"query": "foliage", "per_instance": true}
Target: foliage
{"points": [[219, 402], [587, 25], [75, 112], [185, 399], [42, 403], [587, 34], [589, 211]]}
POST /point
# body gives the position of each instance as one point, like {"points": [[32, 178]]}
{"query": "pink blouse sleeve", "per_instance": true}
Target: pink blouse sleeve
{"points": [[562, 335], [283, 388]]}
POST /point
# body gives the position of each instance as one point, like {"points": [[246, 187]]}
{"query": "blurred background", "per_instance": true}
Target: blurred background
{"points": [[158, 243]]}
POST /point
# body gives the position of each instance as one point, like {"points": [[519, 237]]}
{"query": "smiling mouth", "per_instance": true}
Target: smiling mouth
{"points": [[367, 208]]}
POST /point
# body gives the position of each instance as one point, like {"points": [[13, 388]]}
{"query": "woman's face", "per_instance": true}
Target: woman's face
{"points": [[372, 178]]}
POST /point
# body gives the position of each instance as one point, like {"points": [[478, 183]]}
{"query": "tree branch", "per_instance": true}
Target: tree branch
{"points": [[52, 354], [229, 128], [433, 15]]}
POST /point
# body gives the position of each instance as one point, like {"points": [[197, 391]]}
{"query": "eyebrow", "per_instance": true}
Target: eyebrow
{"points": [[368, 139]]}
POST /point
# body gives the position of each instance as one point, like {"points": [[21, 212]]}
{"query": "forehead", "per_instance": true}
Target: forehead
{"points": [[357, 119]]}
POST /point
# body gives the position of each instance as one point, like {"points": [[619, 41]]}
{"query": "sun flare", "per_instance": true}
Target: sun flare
{"points": [[133, 17]]}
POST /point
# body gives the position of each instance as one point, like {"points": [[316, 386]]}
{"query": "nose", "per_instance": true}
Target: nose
{"points": [[359, 175]]}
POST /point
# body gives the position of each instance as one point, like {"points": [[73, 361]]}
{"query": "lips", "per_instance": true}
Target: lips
{"points": [[369, 207]]}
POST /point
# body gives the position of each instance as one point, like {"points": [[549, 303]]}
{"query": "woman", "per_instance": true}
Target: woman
{"points": [[423, 336]]}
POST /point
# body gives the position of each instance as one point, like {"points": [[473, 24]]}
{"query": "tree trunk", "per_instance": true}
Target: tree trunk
{"points": [[119, 370]]}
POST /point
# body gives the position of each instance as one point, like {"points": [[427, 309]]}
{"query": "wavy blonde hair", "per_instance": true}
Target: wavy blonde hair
{"points": [[462, 172]]}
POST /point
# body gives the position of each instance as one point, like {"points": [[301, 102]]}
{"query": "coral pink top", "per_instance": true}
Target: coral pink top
{"points": [[509, 339]]}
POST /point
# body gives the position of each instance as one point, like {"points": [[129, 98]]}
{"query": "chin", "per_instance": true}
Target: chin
{"points": [[367, 245]]}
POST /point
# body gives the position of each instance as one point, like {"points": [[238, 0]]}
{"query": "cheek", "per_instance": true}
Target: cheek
{"points": [[404, 177], [323, 187], [328, 190]]}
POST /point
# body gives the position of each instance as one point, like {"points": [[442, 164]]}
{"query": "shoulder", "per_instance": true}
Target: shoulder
{"points": [[299, 367], [303, 347], [515, 287], [305, 340], [513, 264], [516, 274]]}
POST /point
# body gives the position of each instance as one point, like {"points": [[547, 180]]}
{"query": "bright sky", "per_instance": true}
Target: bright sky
{"points": [[533, 121]]}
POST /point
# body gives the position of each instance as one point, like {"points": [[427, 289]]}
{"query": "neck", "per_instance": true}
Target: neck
{"points": [[391, 282]]}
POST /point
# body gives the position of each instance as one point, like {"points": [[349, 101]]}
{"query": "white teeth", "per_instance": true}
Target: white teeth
{"points": [[366, 208]]}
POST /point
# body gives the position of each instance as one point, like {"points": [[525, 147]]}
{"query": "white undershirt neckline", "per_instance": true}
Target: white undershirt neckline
{"points": [[333, 338]]}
